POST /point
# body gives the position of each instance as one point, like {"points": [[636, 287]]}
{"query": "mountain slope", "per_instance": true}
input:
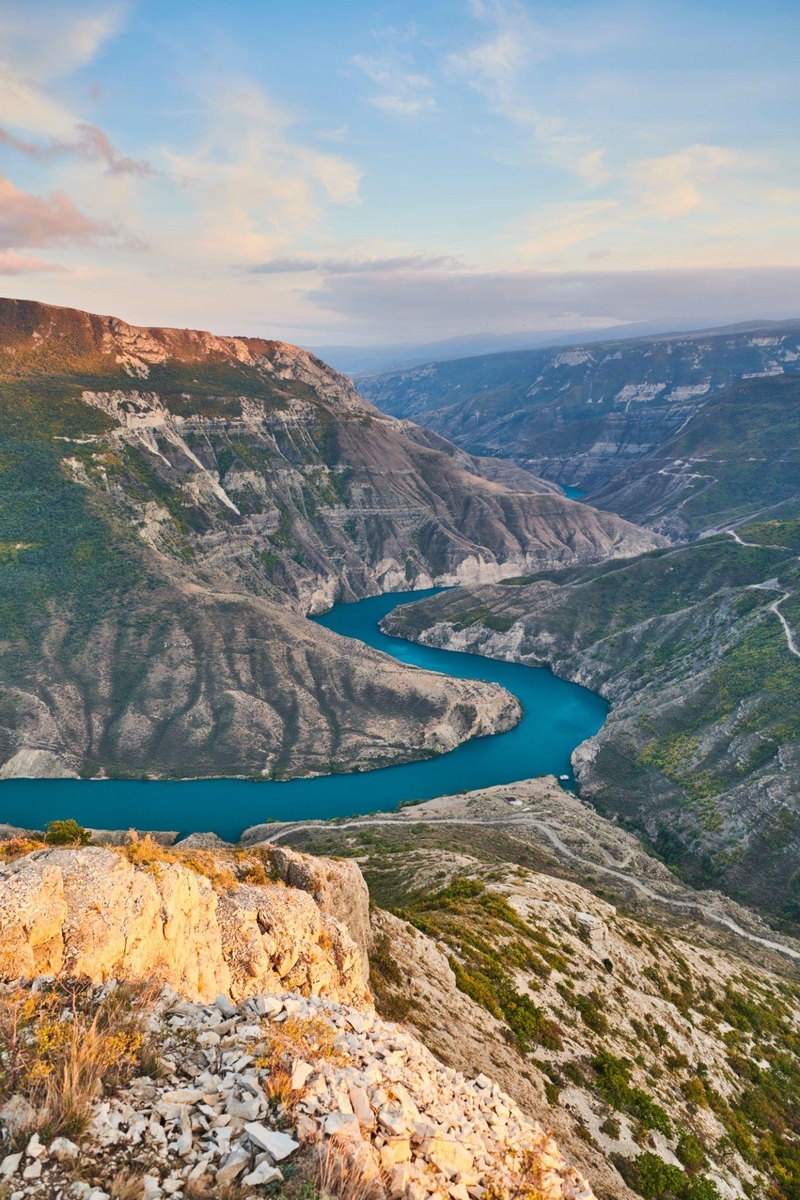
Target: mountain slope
{"points": [[702, 746], [738, 456], [658, 1049], [582, 414], [173, 503]]}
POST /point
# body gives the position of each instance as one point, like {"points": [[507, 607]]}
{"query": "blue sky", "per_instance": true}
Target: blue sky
{"points": [[391, 172]]}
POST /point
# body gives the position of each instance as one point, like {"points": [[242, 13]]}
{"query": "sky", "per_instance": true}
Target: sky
{"points": [[360, 173]]}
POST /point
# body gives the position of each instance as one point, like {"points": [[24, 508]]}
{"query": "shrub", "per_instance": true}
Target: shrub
{"points": [[690, 1152], [67, 833], [615, 1087], [655, 1179]]}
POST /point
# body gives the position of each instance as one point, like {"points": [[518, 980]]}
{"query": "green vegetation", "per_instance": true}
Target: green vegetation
{"points": [[615, 1087], [655, 1179], [489, 941], [59, 547], [67, 833], [705, 696]]}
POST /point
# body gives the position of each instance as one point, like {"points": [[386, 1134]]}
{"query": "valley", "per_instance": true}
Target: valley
{"points": [[700, 751], [174, 504]]}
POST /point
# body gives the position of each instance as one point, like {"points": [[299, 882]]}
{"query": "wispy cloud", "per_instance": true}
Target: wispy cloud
{"points": [[14, 263], [29, 220], [296, 265], [673, 185], [253, 186], [498, 66], [404, 91], [90, 143]]}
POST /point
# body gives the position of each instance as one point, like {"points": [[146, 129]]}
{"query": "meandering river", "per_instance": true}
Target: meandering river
{"points": [[557, 717]]}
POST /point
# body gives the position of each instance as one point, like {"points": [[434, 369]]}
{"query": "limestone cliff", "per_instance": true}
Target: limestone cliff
{"points": [[289, 1064], [92, 913]]}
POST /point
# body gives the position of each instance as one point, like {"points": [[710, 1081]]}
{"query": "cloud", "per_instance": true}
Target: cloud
{"points": [[57, 39], [352, 266], [435, 304], [557, 227], [90, 143], [251, 186], [14, 263], [676, 184], [28, 220], [499, 68], [42, 45], [405, 92]]}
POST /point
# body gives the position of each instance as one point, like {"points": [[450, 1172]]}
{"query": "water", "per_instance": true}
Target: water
{"points": [[572, 493], [557, 717]]}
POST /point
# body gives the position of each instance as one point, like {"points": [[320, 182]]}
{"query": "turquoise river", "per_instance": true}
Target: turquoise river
{"points": [[557, 717]]}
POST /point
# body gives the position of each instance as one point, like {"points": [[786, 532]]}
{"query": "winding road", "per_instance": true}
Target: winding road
{"points": [[560, 846], [770, 587]]}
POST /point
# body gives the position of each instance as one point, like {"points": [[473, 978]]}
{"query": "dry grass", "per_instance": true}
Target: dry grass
{"points": [[61, 1048], [14, 848], [525, 1183], [148, 855], [340, 1175], [310, 1038], [125, 1185]]}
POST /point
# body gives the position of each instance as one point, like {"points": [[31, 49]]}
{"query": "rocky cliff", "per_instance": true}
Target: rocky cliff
{"points": [[202, 926], [174, 503], [234, 1092]]}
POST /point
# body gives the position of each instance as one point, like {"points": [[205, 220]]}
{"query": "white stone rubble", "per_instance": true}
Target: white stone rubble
{"points": [[419, 1130]]}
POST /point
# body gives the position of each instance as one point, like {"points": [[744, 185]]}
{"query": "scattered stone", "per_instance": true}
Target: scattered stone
{"points": [[278, 1145]]}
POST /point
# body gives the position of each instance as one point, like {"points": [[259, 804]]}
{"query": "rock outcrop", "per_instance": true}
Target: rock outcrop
{"points": [[90, 913]]}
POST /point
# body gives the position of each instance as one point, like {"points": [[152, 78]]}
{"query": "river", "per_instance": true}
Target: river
{"points": [[557, 717]]}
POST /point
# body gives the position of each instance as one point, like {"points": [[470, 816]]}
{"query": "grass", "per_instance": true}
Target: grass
{"points": [[62, 1046], [490, 944], [310, 1038]]}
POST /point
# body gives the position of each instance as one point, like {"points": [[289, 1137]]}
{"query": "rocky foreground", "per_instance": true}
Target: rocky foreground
{"points": [[184, 1024], [356, 1088]]}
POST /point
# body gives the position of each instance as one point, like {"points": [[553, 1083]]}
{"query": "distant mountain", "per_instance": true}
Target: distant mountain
{"points": [[173, 503], [586, 414], [736, 456], [368, 360]]}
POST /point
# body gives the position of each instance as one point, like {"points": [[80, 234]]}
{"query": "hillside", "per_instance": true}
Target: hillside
{"points": [[172, 504], [582, 415], [735, 458], [653, 1057], [701, 750], [111, 1085], [630, 1030]]}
